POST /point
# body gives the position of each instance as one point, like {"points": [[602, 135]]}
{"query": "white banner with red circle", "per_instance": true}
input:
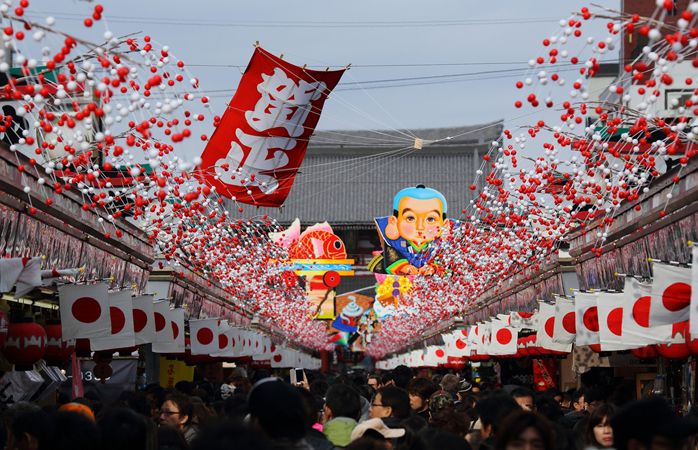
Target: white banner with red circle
{"points": [[121, 314], [693, 323], [204, 336], [546, 329], [565, 323], [227, 339], [169, 328], [503, 338], [586, 318], [84, 311], [610, 309], [143, 319], [671, 295], [636, 330]]}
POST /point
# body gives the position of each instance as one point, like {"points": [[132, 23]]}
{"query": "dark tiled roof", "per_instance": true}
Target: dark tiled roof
{"points": [[349, 177]]}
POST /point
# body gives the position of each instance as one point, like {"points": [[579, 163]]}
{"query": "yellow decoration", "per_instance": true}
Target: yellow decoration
{"points": [[173, 371], [384, 291]]}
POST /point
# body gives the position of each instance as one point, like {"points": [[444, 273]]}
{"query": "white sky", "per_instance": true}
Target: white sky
{"points": [[463, 36]]}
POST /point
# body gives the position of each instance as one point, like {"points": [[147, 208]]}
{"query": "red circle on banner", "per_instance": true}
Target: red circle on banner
{"points": [[440, 353], [277, 358], [460, 344], [550, 326], [641, 311], [615, 321], [568, 322], [204, 336], [591, 319], [140, 320], [232, 342], [273, 348], [160, 322], [677, 296], [86, 310], [331, 279], [504, 336], [464, 332], [175, 330], [118, 319], [222, 341]]}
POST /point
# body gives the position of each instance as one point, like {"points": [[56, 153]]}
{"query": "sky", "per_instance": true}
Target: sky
{"points": [[384, 40]]}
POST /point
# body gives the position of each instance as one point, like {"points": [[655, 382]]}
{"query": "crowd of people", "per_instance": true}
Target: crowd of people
{"points": [[394, 410]]}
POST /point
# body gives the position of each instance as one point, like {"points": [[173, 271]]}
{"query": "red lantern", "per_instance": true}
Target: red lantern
{"points": [[647, 352], [102, 371], [678, 348], [674, 351], [82, 348], [531, 347], [57, 350], [522, 351], [456, 362], [25, 344], [479, 357]]}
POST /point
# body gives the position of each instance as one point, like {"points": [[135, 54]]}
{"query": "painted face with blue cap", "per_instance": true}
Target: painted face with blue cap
{"points": [[418, 215]]}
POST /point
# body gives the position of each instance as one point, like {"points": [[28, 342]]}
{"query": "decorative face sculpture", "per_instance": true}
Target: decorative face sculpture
{"points": [[418, 221]]}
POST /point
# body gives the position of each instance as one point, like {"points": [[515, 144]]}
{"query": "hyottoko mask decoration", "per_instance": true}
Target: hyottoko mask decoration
{"points": [[419, 217]]}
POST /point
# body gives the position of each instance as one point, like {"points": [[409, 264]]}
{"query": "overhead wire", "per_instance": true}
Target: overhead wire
{"points": [[329, 24]]}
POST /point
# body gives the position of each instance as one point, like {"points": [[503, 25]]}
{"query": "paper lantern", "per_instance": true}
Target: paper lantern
{"points": [[677, 348], [82, 348], [25, 344], [102, 371], [647, 352], [57, 350], [522, 345], [674, 351], [531, 347]]}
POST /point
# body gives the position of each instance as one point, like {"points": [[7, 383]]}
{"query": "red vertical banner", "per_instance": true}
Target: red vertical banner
{"points": [[256, 149], [545, 374], [76, 370]]}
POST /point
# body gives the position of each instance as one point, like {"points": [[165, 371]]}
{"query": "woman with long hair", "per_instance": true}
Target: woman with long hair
{"points": [[599, 433]]}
